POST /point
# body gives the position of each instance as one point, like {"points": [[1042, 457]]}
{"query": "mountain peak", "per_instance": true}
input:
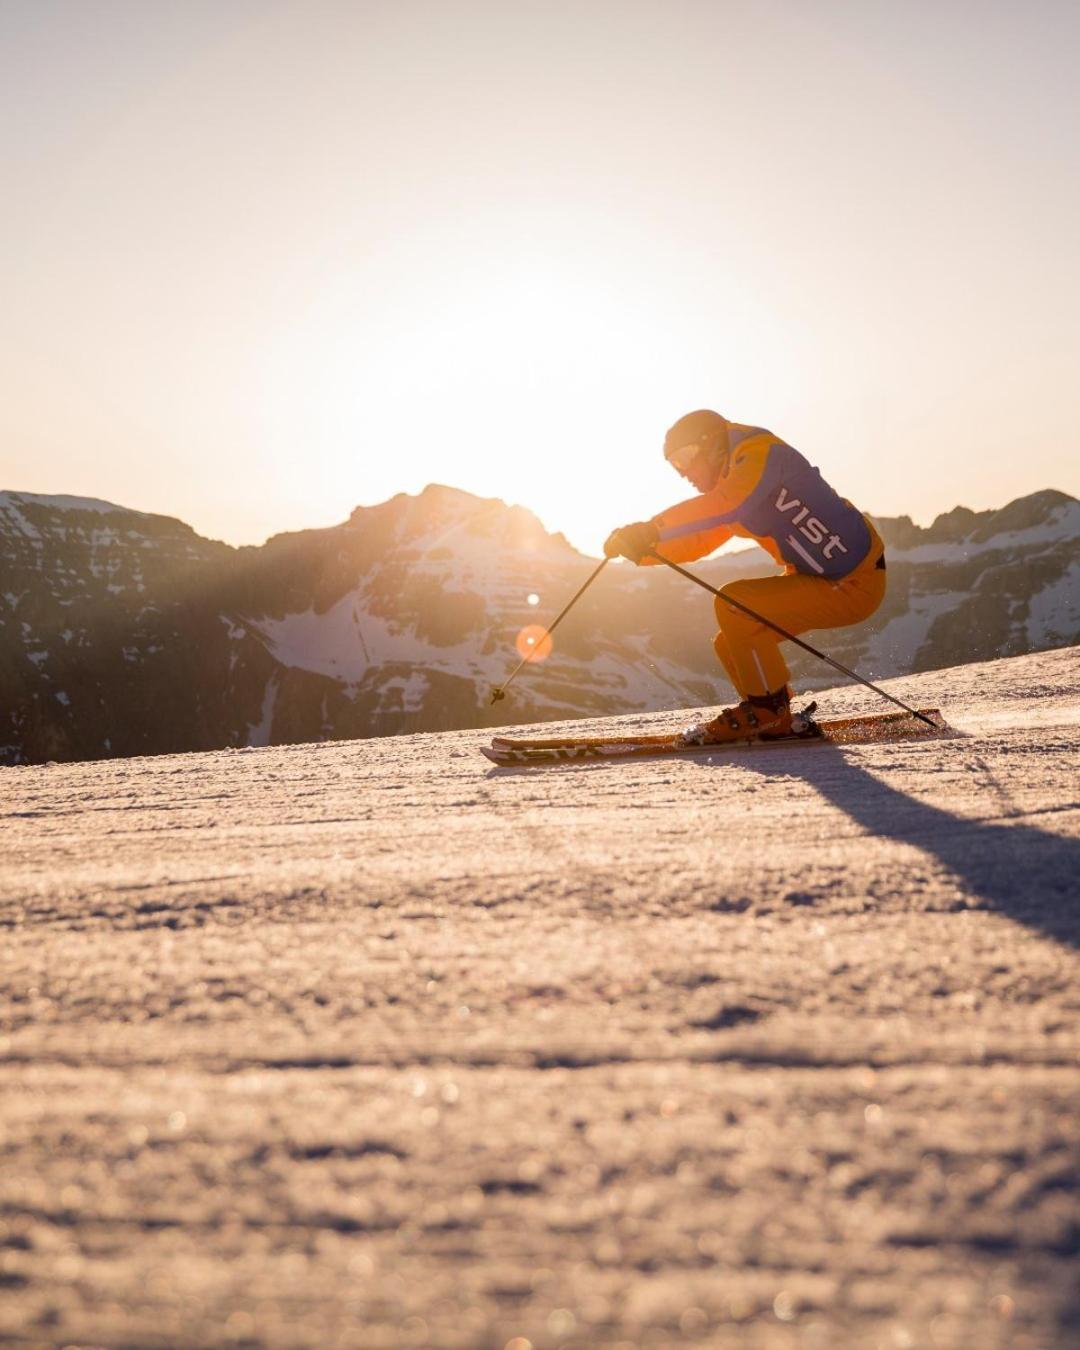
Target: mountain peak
{"points": [[30, 516], [63, 502], [963, 525], [424, 519], [1037, 508]]}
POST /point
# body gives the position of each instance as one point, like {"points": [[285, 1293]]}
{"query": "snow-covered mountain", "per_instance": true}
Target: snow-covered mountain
{"points": [[124, 633], [975, 586]]}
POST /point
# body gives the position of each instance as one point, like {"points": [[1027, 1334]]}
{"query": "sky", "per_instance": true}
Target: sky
{"points": [[263, 261]]}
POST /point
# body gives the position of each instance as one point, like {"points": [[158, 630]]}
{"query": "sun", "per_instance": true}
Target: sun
{"points": [[524, 371]]}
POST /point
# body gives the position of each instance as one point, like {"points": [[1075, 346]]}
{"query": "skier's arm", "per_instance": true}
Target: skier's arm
{"points": [[692, 529]]}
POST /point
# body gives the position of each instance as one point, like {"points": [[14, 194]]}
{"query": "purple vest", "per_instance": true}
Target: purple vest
{"points": [[812, 526]]}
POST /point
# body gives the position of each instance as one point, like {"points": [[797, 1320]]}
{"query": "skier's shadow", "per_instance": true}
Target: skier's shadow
{"points": [[1028, 874]]}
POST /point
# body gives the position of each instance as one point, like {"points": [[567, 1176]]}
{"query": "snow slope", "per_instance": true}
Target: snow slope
{"points": [[369, 1044]]}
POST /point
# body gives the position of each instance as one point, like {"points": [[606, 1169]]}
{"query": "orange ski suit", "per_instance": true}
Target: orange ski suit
{"points": [[833, 558]]}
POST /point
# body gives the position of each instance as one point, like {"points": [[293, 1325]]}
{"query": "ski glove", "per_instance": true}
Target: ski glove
{"points": [[632, 541]]}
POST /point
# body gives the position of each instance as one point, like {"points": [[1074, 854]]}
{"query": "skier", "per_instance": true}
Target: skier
{"points": [[753, 485]]}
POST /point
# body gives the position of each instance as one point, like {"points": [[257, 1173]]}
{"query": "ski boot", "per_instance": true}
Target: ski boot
{"points": [[762, 717]]}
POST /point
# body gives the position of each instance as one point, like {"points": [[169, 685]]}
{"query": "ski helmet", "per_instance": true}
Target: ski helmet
{"points": [[703, 429]]}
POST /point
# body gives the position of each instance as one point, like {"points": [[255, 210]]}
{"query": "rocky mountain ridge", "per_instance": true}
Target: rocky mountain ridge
{"points": [[125, 633]]}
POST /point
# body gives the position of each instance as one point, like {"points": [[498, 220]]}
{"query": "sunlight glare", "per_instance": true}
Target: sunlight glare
{"points": [[532, 643], [525, 372]]}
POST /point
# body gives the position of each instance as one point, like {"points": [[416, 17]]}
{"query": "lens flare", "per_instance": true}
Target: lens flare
{"points": [[533, 599], [532, 643]]}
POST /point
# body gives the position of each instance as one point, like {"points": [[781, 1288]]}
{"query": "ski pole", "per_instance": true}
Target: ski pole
{"points": [[790, 637], [500, 689]]}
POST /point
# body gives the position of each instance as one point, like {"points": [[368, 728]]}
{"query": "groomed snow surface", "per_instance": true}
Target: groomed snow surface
{"points": [[369, 1044]]}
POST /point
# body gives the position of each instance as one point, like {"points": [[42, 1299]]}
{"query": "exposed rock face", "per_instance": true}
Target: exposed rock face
{"points": [[104, 646], [123, 633]]}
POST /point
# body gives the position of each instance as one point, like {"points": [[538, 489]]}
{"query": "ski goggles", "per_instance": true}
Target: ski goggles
{"points": [[682, 457]]}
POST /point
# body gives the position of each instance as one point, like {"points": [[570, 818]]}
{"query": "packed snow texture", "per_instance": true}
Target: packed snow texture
{"points": [[370, 1044]]}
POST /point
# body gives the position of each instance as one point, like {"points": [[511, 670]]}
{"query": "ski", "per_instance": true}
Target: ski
{"points": [[833, 727], [505, 751]]}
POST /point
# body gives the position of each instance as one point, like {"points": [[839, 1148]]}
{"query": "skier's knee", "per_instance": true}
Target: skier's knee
{"points": [[730, 616]]}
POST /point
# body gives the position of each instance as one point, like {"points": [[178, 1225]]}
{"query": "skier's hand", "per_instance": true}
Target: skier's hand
{"points": [[632, 541], [611, 544]]}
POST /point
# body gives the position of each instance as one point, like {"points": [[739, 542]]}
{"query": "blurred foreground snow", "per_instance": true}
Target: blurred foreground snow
{"points": [[369, 1044]]}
